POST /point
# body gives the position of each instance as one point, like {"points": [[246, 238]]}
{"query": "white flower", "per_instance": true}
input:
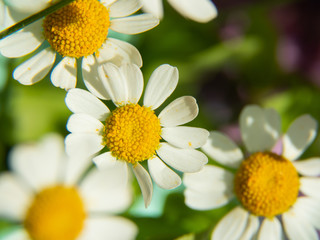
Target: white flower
{"points": [[132, 132], [266, 184], [197, 10], [77, 30], [53, 197]]}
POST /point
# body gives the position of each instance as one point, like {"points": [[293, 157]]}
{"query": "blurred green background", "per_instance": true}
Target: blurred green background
{"points": [[254, 52]]}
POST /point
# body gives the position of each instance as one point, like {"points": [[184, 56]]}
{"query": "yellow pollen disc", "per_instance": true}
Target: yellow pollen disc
{"points": [[132, 133], [266, 184], [78, 29], [55, 213]]}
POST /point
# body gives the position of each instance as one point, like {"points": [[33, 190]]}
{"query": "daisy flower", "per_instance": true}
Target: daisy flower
{"points": [[275, 188], [77, 30], [131, 133], [197, 10], [51, 197]]}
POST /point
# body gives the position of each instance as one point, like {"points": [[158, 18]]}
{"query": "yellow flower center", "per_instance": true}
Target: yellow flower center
{"points": [[55, 213], [266, 184], [78, 29], [132, 133]]}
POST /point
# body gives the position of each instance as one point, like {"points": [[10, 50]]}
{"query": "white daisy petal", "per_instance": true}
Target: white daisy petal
{"points": [[119, 52], [162, 174], [308, 209], [39, 164], [64, 75], [35, 68], [231, 226], [19, 234], [205, 200], [299, 136], [145, 183], [123, 8], [84, 123], [308, 167], [184, 160], [107, 161], [106, 190], [134, 24], [153, 6], [108, 227], [133, 76], [30, 6], [297, 228], [178, 112], [270, 229], [211, 187], [114, 82], [185, 137], [23, 42], [198, 10], [223, 150], [310, 186], [251, 229], [91, 78], [161, 84], [210, 179], [83, 144], [2, 14], [75, 167], [260, 128], [107, 3], [15, 198], [81, 101]]}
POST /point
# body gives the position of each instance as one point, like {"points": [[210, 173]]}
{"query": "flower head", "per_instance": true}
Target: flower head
{"points": [[78, 30], [197, 10], [266, 184], [53, 198], [133, 133]]}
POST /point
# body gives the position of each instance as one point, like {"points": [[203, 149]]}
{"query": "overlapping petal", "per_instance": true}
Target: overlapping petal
{"points": [[260, 128], [297, 227], [184, 160], [223, 150], [270, 229], [134, 24], [64, 75], [81, 101], [231, 226], [162, 174], [299, 136]]}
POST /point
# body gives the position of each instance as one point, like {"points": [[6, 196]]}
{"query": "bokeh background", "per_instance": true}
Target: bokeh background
{"points": [[254, 52]]}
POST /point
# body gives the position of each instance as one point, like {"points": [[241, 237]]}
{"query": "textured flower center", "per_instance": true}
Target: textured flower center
{"points": [[78, 29], [55, 213], [132, 133], [266, 184]]}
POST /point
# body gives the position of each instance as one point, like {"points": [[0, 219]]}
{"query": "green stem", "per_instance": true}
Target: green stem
{"points": [[34, 18]]}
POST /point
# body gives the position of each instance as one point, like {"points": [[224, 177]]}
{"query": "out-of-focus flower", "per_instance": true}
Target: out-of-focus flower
{"points": [[265, 184], [298, 49], [53, 197], [131, 132], [77, 30], [196, 10], [2, 13]]}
